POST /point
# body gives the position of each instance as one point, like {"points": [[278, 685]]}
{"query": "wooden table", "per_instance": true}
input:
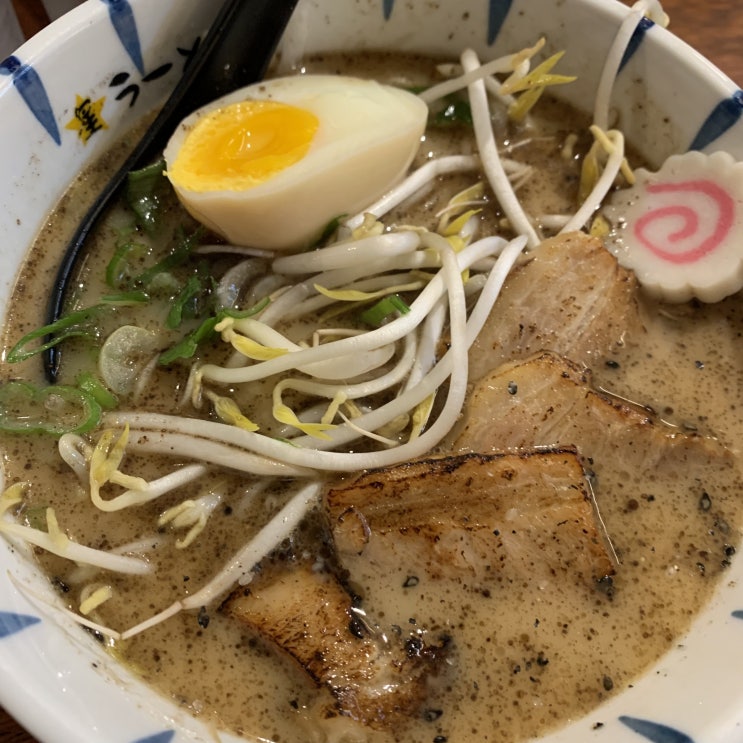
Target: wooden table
{"points": [[708, 25]]}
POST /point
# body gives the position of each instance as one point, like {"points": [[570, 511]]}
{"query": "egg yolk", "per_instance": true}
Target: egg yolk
{"points": [[242, 145]]}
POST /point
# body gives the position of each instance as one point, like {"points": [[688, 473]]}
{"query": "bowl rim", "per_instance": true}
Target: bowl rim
{"points": [[37, 713]]}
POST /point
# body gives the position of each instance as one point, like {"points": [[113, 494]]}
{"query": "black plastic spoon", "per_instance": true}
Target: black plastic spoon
{"points": [[235, 52]]}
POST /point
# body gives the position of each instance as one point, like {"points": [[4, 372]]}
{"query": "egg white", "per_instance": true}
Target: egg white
{"points": [[367, 136]]}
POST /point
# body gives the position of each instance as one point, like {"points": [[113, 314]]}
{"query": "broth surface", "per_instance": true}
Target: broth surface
{"points": [[526, 657]]}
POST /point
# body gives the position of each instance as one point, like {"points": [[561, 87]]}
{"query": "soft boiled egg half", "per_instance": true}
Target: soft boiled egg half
{"points": [[271, 165]]}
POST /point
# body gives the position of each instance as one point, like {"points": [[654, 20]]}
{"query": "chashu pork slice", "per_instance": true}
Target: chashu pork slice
{"points": [[548, 400], [570, 297], [496, 518], [378, 679]]}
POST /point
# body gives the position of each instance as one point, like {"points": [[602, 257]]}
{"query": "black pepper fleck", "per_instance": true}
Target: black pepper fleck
{"points": [[356, 627], [60, 585], [413, 647], [606, 585], [513, 388]]}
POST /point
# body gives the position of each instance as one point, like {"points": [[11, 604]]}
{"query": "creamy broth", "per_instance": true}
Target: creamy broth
{"points": [[526, 656]]}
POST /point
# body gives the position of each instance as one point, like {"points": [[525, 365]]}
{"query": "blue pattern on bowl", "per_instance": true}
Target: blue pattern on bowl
{"points": [[723, 116], [637, 38], [28, 83], [654, 731], [497, 13], [12, 623], [164, 737], [30, 86], [122, 18]]}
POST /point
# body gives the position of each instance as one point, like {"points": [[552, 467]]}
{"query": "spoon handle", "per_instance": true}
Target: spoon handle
{"points": [[235, 52]]}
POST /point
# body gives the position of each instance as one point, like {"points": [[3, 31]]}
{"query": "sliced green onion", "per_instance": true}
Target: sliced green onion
{"points": [[456, 111], [77, 323], [55, 410], [36, 517], [179, 309], [189, 344], [124, 356], [145, 189], [330, 228], [124, 299], [164, 284], [119, 272], [379, 312], [180, 254], [89, 383]]}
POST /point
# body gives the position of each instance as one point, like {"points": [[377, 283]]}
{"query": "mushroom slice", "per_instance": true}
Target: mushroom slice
{"points": [[377, 679], [571, 297], [499, 517]]}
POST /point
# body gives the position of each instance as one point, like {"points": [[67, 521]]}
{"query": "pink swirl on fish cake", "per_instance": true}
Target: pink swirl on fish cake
{"points": [[723, 225]]}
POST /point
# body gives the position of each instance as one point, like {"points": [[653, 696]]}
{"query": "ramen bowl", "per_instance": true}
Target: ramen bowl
{"points": [[72, 91]]}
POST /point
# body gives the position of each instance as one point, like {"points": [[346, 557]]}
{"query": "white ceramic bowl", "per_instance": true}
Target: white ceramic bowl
{"points": [[55, 680]]}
